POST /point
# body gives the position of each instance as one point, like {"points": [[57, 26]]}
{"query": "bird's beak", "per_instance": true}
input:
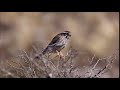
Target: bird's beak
{"points": [[69, 35]]}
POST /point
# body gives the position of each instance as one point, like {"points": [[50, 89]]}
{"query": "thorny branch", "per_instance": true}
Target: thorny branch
{"points": [[45, 67]]}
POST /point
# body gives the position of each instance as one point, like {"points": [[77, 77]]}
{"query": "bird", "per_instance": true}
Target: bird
{"points": [[58, 43]]}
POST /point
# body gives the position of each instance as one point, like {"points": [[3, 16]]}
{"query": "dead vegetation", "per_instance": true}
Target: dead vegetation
{"points": [[25, 66]]}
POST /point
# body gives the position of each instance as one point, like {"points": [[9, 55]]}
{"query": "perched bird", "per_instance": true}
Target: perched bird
{"points": [[57, 43]]}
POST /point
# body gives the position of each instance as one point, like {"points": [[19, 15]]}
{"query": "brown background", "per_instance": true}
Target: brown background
{"points": [[92, 32]]}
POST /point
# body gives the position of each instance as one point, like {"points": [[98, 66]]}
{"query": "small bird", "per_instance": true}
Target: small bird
{"points": [[57, 44]]}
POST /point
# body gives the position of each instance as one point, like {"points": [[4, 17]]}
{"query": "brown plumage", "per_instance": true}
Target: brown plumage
{"points": [[58, 43]]}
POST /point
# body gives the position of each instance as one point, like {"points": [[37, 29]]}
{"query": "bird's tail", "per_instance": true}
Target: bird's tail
{"points": [[40, 54], [45, 50]]}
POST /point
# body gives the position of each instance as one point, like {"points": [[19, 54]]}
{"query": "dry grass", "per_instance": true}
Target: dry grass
{"points": [[25, 66]]}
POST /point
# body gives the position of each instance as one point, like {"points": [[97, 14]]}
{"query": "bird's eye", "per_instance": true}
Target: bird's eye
{"points": [[64, 34]]}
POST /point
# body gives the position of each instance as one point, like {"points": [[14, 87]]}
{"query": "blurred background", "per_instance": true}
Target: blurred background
{"points": [[93, 33]]}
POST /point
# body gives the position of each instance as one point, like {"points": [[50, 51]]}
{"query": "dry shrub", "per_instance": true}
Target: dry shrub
{"points": [[25, 66]]}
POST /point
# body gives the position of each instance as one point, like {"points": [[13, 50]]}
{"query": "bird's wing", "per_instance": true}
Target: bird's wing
{"points": [[54, 40], [52, 43]]}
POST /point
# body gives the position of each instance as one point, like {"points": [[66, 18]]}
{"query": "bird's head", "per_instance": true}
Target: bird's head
{"points": [[67, 34]]}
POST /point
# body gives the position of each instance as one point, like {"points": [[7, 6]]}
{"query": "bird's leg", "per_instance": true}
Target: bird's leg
{"points": [[58, 53], [61, 55]]}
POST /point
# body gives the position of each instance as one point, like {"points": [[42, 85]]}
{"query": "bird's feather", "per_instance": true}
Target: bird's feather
{"points": [[52, 43], [54, 40]]}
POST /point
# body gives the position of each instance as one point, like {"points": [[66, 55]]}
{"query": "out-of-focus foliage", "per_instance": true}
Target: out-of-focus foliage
{"points": [[92, 32]]}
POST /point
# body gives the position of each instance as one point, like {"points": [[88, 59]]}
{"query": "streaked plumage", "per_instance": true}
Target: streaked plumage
{"points": [[58, 43]]}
